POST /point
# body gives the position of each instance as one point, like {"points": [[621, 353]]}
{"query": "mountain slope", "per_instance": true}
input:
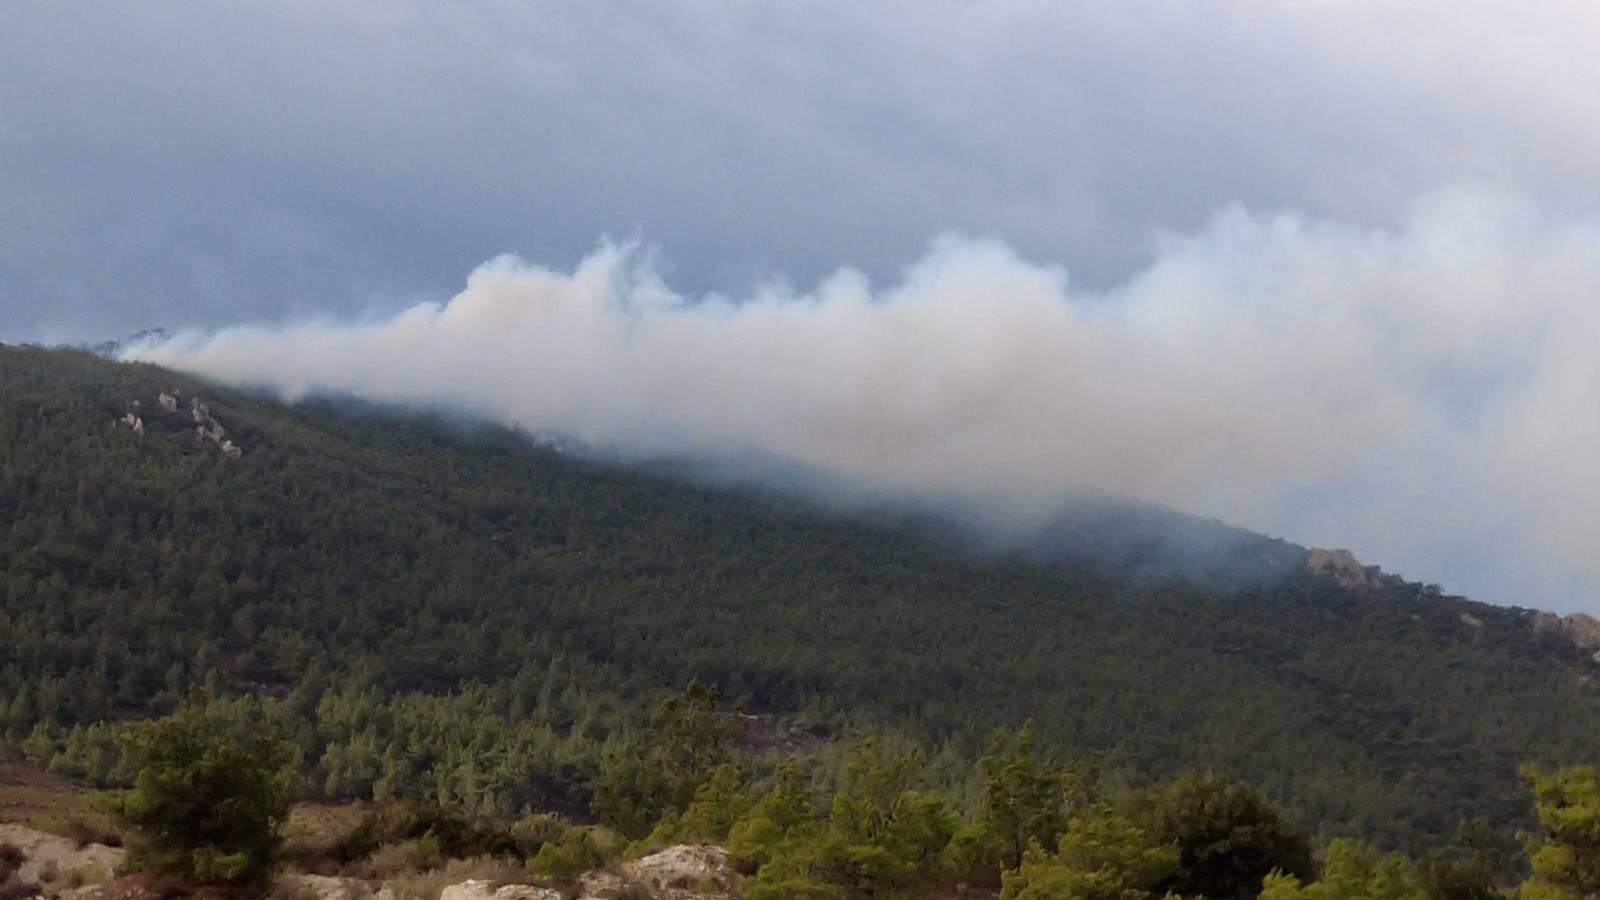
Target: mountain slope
{"points": [[454, 608]]}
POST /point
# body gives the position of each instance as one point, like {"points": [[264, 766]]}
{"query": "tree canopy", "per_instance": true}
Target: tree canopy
{"points": [[210, 797], [427, 606]]}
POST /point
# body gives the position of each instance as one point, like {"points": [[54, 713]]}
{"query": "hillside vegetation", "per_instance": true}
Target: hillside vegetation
{"points": [[451, 611]]}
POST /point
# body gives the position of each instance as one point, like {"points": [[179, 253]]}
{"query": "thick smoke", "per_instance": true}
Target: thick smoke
{"points": [[1426, 396]]}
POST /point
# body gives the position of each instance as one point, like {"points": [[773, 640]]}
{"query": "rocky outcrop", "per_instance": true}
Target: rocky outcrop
{"points": [[1343, 567], [113, 349], [485, 890], [324, 887], [54, 862], [207, 428], [1582, 630], [684, 872]]}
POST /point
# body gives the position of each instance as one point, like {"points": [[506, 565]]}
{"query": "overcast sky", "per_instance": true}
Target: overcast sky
{"points": [[204, 163], [210, 164]]}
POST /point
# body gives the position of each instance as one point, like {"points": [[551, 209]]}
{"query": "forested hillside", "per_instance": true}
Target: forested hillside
{"points": [[454, 611]]}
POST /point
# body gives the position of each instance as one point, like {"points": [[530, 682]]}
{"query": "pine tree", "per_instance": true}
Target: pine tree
{"points": [[211, 796], [1566, 853]]}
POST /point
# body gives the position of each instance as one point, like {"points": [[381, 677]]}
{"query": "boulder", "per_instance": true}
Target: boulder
{"points": [[324, 887], [685, 871], [1582, 630], [475, 889], [49, 858], [1343, 567]]}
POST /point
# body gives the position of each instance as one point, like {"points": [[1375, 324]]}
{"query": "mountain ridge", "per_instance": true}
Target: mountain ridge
{"points": [[386, 573]]}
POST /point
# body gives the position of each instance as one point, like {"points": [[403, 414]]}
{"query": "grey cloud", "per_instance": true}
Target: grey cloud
{"points": [[158, 153], [203, 164]]}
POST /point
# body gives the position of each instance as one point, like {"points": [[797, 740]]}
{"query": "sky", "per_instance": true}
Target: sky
{"points": [[1325, 269]]}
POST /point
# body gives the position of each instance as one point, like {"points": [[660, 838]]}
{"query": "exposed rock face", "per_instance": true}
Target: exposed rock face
{"points": [[49, 859], [324, 887], [1582, 630], [206, 426], [1343, 567], [485, 890], [113, 348], [685, 871]]}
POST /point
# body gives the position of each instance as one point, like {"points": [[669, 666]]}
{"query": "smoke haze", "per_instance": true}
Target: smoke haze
{"points": [[1424, 394]]}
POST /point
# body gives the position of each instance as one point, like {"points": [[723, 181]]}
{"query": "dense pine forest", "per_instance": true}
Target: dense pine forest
{"points": [[427, 607]]}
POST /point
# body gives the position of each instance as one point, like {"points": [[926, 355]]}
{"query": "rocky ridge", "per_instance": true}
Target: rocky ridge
{"points": [[206, 427], [1580, 629]]}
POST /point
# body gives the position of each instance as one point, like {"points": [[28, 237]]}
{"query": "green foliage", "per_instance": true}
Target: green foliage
{"points": [[1565, 854], [1472, 871], [1101, 856], [718, 804], [1352, 871], [424, 819], [786, 813], [448, 611], [576, 851], [793, 875], [1027, 798], [657, 774], [883, 836], [529, 834], [210, 798], [1229, 837]]}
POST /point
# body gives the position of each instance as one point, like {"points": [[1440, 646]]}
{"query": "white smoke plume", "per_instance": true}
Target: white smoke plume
{"points": [[1428, 395]]}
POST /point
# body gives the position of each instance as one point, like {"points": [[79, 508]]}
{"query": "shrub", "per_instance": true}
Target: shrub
{"points": [[1229, 837], [83, 833], [11, 859], [577, 851], [409, 819], [1353, 872], [1100, 856], [530, 833], [210, 799], [406, 856], [426, 884]]}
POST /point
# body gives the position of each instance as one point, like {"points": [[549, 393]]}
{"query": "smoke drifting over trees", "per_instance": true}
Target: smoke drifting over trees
{"points": [[1422, 394]]}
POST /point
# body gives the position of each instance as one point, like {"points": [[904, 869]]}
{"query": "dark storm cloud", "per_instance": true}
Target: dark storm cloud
{"points": [[204, 163]]}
